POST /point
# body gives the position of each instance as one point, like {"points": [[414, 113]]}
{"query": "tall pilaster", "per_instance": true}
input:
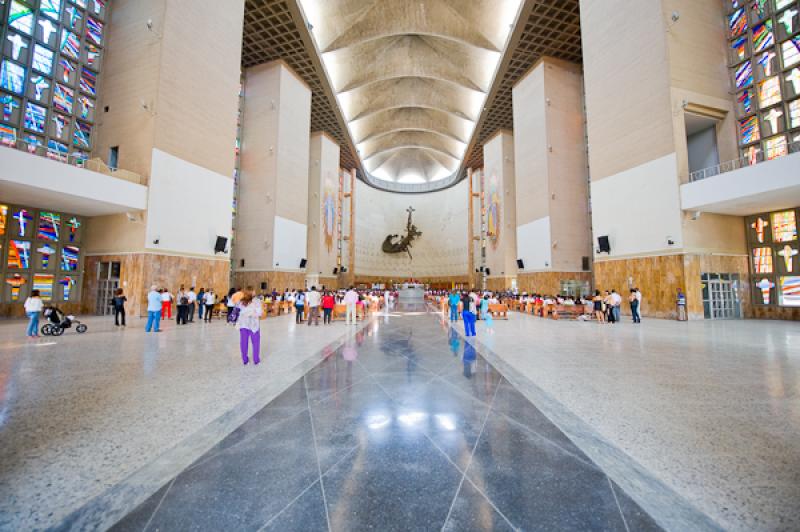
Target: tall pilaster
{"points": [[323, 207], [499, 191]]}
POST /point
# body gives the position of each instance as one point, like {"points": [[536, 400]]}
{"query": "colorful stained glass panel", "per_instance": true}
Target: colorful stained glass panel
{"points": [[3, 219], [739, 47], [769, 91], [20, 17], [83, 133], [790, 291], [43, 282], [35, 117], [19, 254], [43, 59], [784, 226], [737, 22], [49, 226], [794, 114], [762, 260], [744, 75], [70, 46], [12, 77], [51, 8], [63, 98], [748, 130], [763, 36], [94, 31], [8, 135], [790, 50], [776, 147], [69, 258], [88, 81]]}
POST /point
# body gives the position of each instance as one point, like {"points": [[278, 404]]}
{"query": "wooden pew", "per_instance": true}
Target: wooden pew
{"points": [[499, 311], [566, 311]]}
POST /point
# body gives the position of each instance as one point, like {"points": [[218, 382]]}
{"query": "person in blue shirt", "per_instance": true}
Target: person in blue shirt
{"points": [[453, 303], [153, 310]]}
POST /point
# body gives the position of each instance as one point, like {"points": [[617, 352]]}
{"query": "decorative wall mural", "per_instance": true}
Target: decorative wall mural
{"points": [[329, 213], [404, 244], [493, 211]]}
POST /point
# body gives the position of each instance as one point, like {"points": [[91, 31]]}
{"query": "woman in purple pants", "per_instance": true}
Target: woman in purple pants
{"points": [[249, 325]]}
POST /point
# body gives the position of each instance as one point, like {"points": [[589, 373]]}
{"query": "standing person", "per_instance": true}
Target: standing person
{"points": [[118, 302], [597, 301], [192, 296], [468, 314], [350, 299], [33, 309], [608, 305], [387, 297], [166, 304], [616, 301], [328, 302], [485, 314], [201, 303], [183, 305], [154, 306], [234, 296], [634, 301], [210, 299], [249, 326], [452, 302], [299, 303], [639, 306], [313, 299], [680, 302]]}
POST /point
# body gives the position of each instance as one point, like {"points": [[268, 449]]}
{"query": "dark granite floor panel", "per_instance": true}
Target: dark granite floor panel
{"points": [[404, 428]]}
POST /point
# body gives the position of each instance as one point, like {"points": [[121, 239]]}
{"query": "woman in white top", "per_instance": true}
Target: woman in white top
{"points": [[210, 299], [249, 326], [33, 308]]}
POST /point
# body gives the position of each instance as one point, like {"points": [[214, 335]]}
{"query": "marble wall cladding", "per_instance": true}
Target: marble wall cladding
{"points": [[274, 279], [659, 278], [549, 282], [139, 271], [498, 284]]}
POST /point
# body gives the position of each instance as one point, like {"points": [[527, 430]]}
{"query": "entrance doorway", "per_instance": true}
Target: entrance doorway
{"points": [[721, 296], [107, 283]]}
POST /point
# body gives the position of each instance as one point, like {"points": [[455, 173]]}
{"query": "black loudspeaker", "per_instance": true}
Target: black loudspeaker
{"points": [[302, 263], [335, 271], [488, 271], [219, 247], [520, 264], [264, 285], [603, 244], [585, 264]]}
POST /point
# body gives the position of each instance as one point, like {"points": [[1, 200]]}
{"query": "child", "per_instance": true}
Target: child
{"points": [[485, 314], [250, 312]]}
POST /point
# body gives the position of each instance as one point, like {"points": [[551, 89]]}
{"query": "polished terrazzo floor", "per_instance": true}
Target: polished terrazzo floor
{"points": [[407, 429]]}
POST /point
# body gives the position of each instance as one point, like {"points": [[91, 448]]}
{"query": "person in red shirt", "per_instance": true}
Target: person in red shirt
{"points": [[328, 302]]}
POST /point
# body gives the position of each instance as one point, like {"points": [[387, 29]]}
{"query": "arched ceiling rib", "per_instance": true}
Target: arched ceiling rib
{"points": [[411, 76]]}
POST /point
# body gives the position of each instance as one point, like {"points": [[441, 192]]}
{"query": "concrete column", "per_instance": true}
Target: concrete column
{"points": [[499, 191], [553, 228], [271, 225], [323, 209]]}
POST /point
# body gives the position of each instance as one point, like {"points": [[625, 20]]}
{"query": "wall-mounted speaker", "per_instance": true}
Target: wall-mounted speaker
{"points": [[303, 263], [585, 264], [219, 246], [520, 264], [264, 285], [241, 263], [335, 271], [488, 271], [603, 244]]}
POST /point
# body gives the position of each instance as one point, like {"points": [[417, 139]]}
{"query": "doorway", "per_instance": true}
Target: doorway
{"points": [[701, 142], [721, 296], [107, 284]]}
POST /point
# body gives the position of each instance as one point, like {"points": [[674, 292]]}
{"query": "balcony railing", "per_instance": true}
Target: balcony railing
{"points": [[72, 159], [736, 164]]}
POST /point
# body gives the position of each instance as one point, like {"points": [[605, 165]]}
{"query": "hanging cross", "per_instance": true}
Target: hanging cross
{"points": [[772, 117], [17, 44], [46, 251], [47, 29], [787, 19]]}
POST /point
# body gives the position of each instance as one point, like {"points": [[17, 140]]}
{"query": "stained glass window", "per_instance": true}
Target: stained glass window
{"points": [[67, 283], [35, 117], [40, 85], [767, 63], [748, 130], [87, 106], [60, 124], [9, 106], [20, 17], [81, 3], [49, 226], [92, 55], [737, 22], [763, 37], [67, 69], [739, 47], [57, 147], [12, 77], [744, 75], [776, 147], [42, 59], [3, 219], [94, 30], [83, 133], [773, 119], [63, 98], [790, 291], [70, 46], [784, 226], [51, 8], [780, 4], [43, 282], [791, 52], [794, 114], [769, 91], [8, 135], [762, 260], [745, 99], [88, 81], [69, 258], [24, 221], [760, 9], [19, 254]]}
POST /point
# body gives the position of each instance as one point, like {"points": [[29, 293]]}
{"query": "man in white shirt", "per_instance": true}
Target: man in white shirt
{"points": [[192, 296], [313, 299], [616, 302], [350, 299], [154, 305]]}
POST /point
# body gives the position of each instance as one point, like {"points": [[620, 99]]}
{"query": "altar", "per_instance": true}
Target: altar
{"points": [[411, 293]]}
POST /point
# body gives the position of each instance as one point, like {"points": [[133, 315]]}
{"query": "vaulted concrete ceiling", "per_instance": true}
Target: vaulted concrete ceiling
{"points": [[411, 76]]}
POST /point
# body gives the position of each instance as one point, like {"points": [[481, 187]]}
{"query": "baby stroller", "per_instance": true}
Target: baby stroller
{"points": [[59, 322]]}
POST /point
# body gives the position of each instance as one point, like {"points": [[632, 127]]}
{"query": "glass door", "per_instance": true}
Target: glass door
{"points": [[107, 284], [721, 296]]}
